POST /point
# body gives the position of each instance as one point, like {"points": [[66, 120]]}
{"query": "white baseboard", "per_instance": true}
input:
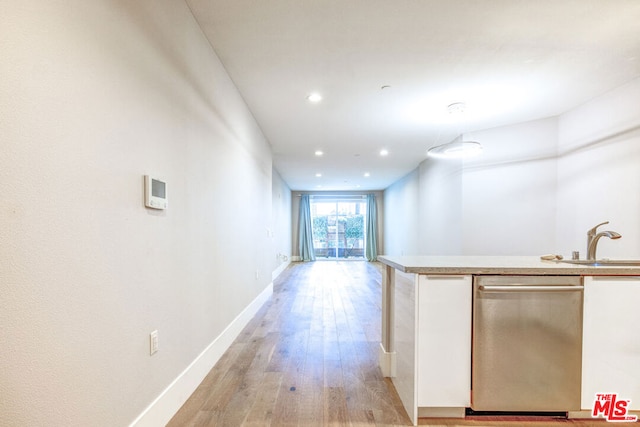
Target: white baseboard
{"points": [[296, 258], [279, 270], [387, 362], [161, 410]]}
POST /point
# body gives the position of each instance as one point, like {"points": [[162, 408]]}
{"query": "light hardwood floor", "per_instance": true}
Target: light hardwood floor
{"points": [[309, 358]]}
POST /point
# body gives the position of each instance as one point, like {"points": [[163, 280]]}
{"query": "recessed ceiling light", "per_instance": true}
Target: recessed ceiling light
{"points": [[318, 175], [319, 153], [384, 152], [367, 174], [314, 97]]}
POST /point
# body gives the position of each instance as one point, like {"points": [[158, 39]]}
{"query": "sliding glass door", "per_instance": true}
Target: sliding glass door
{"points": [[338, 227]]}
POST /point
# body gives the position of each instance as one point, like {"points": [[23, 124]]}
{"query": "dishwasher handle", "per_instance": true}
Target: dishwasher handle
{"points": [[529, 288]]}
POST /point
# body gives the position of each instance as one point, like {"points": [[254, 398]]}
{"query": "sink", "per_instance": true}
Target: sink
{"points": [[604, 262]]}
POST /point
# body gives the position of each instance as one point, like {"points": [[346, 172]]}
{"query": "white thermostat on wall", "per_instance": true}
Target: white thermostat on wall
{"points": [[155, 193]]}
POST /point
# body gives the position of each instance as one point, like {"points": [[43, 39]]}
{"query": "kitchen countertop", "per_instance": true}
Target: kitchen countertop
{"points": [[524, 265]]}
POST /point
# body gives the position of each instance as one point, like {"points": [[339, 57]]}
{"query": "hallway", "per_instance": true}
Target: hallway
{"points": [[310, 358]]}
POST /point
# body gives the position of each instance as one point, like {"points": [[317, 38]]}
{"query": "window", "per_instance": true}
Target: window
{"points": [[338, 226]]}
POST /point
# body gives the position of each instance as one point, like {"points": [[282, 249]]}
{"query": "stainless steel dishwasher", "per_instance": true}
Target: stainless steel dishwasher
{"points": [[527, 343]]}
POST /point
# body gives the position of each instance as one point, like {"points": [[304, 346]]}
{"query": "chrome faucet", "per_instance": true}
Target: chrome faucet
{"points": [[592, 239]]}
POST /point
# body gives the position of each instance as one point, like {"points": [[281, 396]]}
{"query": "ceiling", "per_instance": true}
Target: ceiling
{"points": [[388, 69]]}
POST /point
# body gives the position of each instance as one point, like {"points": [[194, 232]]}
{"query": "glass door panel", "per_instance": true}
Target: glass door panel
{"points": [[338, 228]]}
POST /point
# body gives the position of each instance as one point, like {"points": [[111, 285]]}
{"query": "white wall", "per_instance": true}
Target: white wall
{"points": [[509, 192], [281, 221], [501, 203], [401, 215], [599, 173], [422, 211], [538, 187], [93, 95], [439, 223]]}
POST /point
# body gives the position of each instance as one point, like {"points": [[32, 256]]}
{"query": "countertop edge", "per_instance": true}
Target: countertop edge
{"points": [[455, 265]]}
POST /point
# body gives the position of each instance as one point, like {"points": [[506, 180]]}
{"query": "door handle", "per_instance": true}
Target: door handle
{"points": [[529, 288]]}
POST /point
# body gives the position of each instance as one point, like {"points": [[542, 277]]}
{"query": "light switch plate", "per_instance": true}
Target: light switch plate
{"points": [[153, 342]]}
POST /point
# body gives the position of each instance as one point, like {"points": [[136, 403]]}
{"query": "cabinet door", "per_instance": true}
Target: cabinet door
{"points": [[611, 339], [444, 341]]}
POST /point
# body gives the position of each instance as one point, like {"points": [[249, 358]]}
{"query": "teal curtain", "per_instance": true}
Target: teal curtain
{"points": [[371, 243], [305, 233]]}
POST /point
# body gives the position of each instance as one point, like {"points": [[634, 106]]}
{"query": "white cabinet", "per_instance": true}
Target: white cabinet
{"points": [[444, 341], [432, 344], [611, 339]]}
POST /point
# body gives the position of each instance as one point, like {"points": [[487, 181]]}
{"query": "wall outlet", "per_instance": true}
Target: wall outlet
{"points": [[153, 342]]}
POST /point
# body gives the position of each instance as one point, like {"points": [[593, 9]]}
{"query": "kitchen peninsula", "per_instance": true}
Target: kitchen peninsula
{"points": [[428, 322]]}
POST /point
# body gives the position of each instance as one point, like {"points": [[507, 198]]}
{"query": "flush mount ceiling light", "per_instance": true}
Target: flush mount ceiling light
{"points": [[318, 153], [384, 152], [314, 97], [458, 148]]}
